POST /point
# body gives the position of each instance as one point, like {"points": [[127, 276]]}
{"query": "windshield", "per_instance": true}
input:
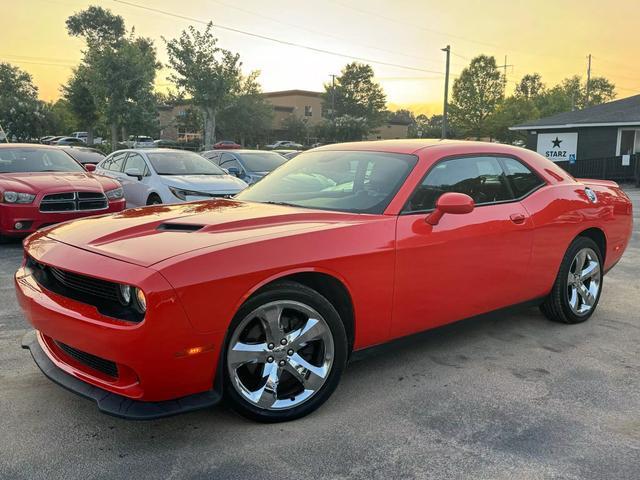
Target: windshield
{"points": [[360, 182], [261, 161], [17, 160], [182, 163]]}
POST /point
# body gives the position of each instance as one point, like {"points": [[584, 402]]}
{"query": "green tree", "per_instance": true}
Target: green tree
{"points": [[81, 102], [530, 86], [296, 128], [476, 94], [22, 115], [210, 75], [99, 27], [119, 70], [357, 95], [247, 117], [512, 111], [345, 128]]}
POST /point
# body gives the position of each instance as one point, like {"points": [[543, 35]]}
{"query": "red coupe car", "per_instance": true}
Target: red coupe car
{"points": [[264, 297], [227, 144], [40, 186]]}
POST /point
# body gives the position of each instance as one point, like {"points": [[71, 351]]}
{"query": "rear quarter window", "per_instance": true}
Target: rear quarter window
{"points": [[523, 180]]}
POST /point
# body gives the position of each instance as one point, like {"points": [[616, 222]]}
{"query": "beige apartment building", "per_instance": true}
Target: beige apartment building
{"points": [[308, 106], [304, 104]]}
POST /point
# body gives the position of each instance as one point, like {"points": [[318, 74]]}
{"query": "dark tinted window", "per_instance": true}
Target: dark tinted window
{"points": [[522, 179], [482, 178]]}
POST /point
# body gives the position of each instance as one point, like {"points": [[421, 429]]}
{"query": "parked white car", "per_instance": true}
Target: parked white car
{"points": [[284, 144], [163, 175], [140, 141], [81, 135]]}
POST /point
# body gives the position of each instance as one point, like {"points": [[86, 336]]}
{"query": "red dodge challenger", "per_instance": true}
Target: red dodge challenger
{"points": [[264, 297], [41, 185]]}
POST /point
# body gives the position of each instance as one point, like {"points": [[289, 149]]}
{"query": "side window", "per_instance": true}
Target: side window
{"points": [[229, 161], [136, 161], [117, 161], [213, 156], [522, 179], [482, 178], [114, 164]]}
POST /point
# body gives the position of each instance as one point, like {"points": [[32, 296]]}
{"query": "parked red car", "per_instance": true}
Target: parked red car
{"points": [[161, 310], [40, 186], [227, 144]]}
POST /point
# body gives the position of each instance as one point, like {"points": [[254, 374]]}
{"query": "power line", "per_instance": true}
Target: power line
{"points": [[48, 64], [277, 40], [324, 33]]}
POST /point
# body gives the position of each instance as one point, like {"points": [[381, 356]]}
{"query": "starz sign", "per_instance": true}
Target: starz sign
{"points": [[558, 147]]}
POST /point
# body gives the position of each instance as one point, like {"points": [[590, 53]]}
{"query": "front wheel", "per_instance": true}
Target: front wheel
{"points": [[577, 288], [286, 351]]}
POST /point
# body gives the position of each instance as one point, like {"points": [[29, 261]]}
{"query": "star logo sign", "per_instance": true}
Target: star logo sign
{"points": [[556, 142]]}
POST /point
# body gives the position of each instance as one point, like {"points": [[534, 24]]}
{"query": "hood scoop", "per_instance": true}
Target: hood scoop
{"points": [[179, 227]]}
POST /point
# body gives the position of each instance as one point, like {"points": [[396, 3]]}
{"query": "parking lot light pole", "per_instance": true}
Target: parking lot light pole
{"points": [[446, 93]]}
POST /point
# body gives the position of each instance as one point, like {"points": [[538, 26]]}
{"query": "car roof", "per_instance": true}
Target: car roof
{"points": [[236, 150], [413, 146], [28, 145]]}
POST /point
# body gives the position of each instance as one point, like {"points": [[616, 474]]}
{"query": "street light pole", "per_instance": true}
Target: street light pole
{"points": [[446, 93]]}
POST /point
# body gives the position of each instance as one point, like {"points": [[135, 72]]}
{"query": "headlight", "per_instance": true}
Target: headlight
{"points": [[183, 194], [115, 194], [132, 297], [17, 197]]}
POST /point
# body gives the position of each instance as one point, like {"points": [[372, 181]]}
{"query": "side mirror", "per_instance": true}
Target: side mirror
{"points": [[451, 202], [234, 171], [89, 167], [134, 172]]}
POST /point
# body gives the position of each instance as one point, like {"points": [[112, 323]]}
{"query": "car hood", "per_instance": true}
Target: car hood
{"points": [[148, 235], [57, 182], [205, 183]]}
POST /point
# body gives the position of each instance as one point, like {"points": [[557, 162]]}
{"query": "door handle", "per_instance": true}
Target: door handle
{"points": [[518, 218]]}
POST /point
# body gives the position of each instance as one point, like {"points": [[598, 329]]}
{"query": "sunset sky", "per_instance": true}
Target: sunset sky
{"points": [[552, 37]]}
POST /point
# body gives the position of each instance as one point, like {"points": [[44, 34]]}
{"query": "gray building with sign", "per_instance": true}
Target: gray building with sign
{"points": [[602, 131]]}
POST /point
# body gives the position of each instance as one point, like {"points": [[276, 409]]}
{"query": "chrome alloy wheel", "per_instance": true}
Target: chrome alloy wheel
{"points": [[583, 282], [280, 355]]}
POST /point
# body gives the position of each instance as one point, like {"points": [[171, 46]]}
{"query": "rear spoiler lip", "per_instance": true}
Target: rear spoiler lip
{"points": [[595, 181]]}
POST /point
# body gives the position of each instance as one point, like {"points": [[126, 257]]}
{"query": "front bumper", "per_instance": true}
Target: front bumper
{"points": [[150, 356], [33, 219], [108, 402]]}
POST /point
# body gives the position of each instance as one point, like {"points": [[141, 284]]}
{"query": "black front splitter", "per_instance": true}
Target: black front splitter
{"points": [[111, 403]]}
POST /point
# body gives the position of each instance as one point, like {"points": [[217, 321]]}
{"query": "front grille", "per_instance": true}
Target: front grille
{"points": [[96, 363], [102, 294], [87, 285], [73, 201]]}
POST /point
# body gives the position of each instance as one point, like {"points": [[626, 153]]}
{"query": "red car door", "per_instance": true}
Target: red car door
{"points": [[467, 264]]}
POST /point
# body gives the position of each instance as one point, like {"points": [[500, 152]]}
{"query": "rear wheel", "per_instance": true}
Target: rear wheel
{"points": [[577, 288], [286, 351]]}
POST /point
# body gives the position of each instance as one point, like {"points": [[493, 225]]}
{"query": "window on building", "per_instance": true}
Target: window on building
{"points": [[308, 111], [629, 142]]}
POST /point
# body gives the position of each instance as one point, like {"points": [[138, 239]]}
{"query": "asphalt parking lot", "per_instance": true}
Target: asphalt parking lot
{"points": [[508, 396]]}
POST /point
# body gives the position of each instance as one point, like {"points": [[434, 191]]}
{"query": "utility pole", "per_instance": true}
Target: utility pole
{"points": [[446, 94], [504, 75], [588, 80], [333, 96], [333, 105]]}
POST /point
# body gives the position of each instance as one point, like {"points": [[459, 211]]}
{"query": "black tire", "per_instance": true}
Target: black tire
{"points": [[154, 199], [556, 306], [289, 291]]}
